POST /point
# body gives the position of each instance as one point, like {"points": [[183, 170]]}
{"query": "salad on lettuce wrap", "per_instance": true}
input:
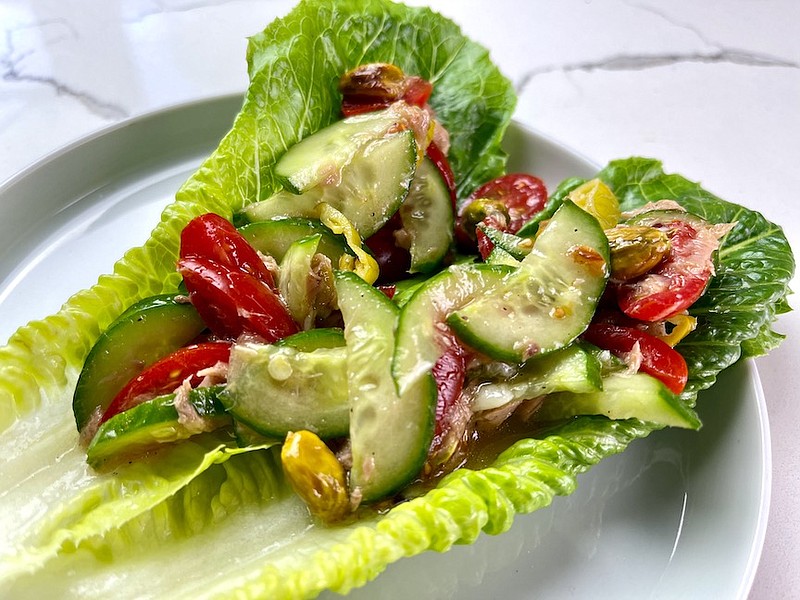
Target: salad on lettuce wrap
{"points": [[362, 298]]}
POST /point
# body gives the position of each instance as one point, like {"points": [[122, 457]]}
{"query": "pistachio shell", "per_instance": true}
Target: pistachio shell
{"points": [[480, 208], [316, 475], [376, 81], [635, 250]]}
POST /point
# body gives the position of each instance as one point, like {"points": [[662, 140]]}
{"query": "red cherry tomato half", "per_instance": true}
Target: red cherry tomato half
{"points": [[485, 245], [388, 290], [658, 359], [393, 260], [352, 107], [235, 302], [449, 372], [165, 375], [521, 195], [417, 91], [439, 159], [678, 281], [524, 195], [211, 237]]}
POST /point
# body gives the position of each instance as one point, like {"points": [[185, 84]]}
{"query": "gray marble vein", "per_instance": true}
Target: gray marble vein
{"points": [[12, 72]]}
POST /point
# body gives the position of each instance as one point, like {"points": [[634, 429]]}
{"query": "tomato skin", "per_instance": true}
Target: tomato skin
{"points": [[235, 302], [388, 290], [524, 195], [352, 107], [213, 237], [675, 284], [165, 375], [658, 359], [439, 159], [521, 196], [449, 372], [485, 245], [393, 261], [417, 91]]}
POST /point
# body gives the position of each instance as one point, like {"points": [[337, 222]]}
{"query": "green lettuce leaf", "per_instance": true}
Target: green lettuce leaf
{"points": [[201, 520], [754, 267]]}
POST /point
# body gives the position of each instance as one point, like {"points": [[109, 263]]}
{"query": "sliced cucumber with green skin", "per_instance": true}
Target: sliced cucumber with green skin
{"points": [[314, 339], [147, 331], [274, 237], [498, 256], [635, 396], [549, 301], [367, 190], [571, 369], [245, 436], [518, 247], [427, 217], [155, 422], [405, 288], [419, 334], [275, 389], [655, 217], [317, 158], [294, 280], [531, 227], [390, 433]]}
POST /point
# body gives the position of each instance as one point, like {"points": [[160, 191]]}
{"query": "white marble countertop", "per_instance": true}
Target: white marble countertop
{"points": [[710, 88]]}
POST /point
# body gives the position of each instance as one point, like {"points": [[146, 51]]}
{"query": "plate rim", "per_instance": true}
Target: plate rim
{"points": [[759, 535]]}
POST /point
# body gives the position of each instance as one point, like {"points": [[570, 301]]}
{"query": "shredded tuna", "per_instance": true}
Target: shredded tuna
{"points": [[417, 120], [528, 408], [345, 455], [658, 205], [321, 289], [632, 359], [187, 414], [448, 447], [271, 264], [495, 417], [213, 375], [355, 498], [90, 429], [440, 135]]}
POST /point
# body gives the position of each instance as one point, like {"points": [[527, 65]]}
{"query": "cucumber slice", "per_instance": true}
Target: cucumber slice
{"points": [[154, 422], [498, 256], [514, 245], [636, 396], [571, 369], [245, 436], [274, 237], [390, 433], [546, 303], [144, 333], [367, 190], [275, 389], [419, 334], [294, 280], [405, 288], [427, 217], [322, 155], [314, 339], [655, 217]]}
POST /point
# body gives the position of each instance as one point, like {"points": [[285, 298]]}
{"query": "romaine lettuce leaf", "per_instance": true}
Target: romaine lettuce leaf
{"points": [[754, 266], [200, 521]]}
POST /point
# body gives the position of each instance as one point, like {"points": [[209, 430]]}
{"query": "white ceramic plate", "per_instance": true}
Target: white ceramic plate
{"points": [[678, 515]]}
